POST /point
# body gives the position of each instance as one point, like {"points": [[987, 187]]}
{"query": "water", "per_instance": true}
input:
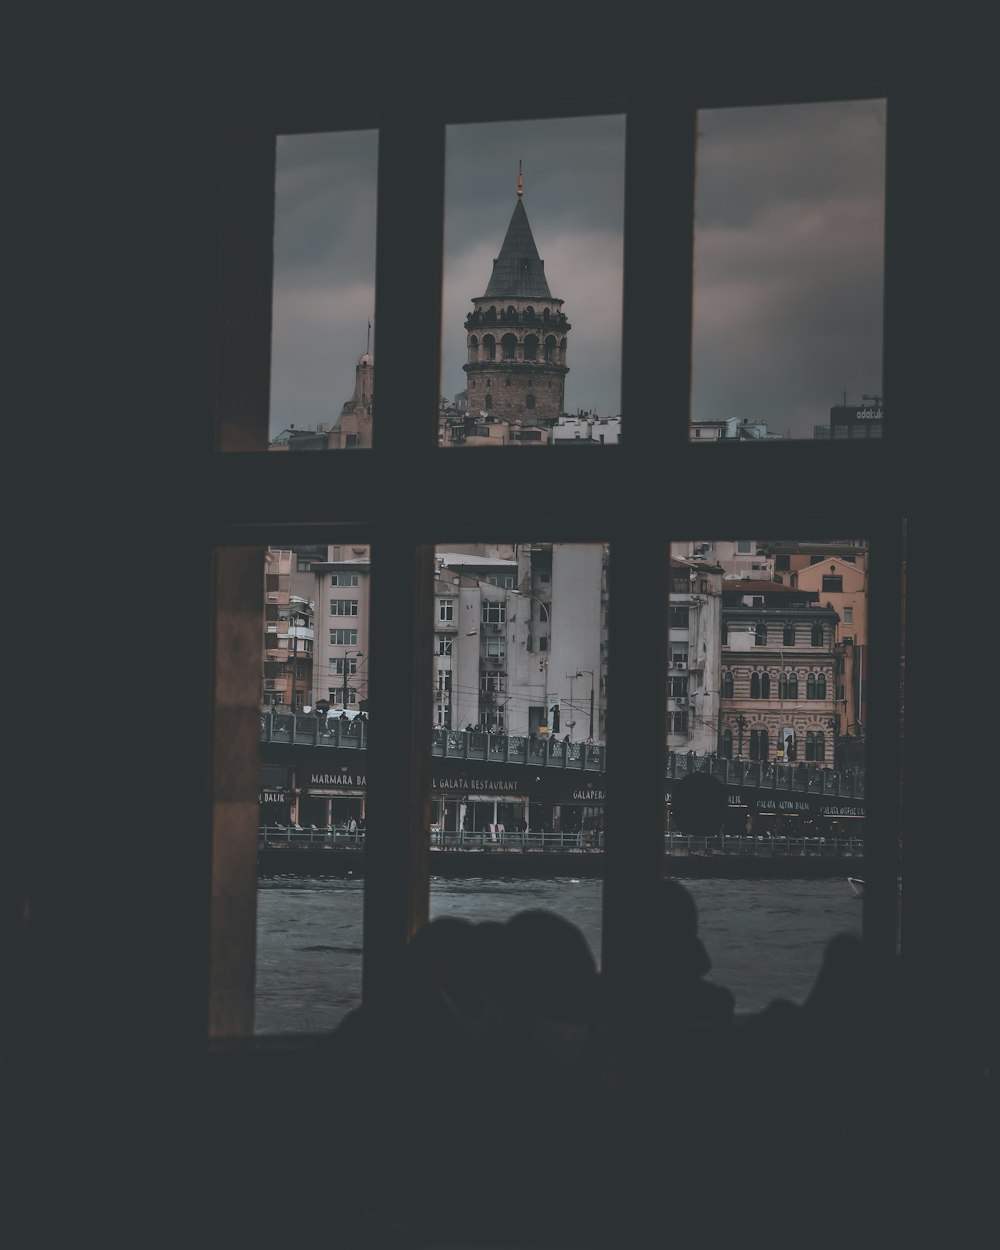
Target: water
{"points": [[765, 937]]}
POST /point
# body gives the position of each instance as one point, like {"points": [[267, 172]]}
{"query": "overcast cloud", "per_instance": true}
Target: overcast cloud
{"points": [[788, 257]]}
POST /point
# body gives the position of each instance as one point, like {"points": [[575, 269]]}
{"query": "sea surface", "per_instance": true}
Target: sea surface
{"points": [[765, 936]]}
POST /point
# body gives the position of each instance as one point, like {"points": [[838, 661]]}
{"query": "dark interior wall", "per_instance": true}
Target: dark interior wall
{"points": [[121, 208]]}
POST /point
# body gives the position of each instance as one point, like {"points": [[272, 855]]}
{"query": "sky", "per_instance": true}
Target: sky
{"points": [[788, 257]]}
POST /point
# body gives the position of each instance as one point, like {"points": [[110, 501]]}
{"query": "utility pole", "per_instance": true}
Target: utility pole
{"points": [[347, 658]]}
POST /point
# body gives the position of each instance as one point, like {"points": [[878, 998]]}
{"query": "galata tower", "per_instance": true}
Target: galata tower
{"points": [[517, 334]]}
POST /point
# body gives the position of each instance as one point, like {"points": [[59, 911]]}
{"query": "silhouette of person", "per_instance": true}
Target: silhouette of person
{"points": [[675, 990], [699, 805]]}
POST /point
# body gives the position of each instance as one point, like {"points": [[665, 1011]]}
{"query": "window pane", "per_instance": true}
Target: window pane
{"points": [[766, 692], [531, 334], [314, 742], [787, 334], [322, 343], [517, 788]]}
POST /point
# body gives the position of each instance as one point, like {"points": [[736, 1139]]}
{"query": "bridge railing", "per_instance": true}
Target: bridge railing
{"points": [[310, 836], [500, 748], [555, 841]]}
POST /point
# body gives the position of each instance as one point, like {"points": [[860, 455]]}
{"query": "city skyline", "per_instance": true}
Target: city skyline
{"points": [[788, 257]]}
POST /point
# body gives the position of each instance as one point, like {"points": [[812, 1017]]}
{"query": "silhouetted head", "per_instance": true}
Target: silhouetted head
{"points": [[673, 930], [699, 804], [553, 970]]}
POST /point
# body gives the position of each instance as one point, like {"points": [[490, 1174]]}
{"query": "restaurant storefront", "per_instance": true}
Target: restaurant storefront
{"points": [[326, 788]]}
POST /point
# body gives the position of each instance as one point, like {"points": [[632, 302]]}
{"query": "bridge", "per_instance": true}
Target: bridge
{"points": [[759, 785]]}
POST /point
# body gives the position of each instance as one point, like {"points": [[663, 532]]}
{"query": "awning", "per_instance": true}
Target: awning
{"points": [[314, 792], [490, 798]]}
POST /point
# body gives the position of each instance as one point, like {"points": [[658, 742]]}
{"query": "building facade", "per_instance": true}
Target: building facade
{"points": [[779, 671]]}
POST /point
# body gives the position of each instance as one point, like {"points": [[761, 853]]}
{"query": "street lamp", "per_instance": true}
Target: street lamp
{"points": [[450, 646], [589, 672]]}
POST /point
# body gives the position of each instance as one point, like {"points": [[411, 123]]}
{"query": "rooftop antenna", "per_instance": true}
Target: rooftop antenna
{"points": [[368, 340], [845, 397], [520, 181]]}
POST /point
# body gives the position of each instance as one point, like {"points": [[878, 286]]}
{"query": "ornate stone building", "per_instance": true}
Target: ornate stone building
{"points": [[353, 428], [517, 334]]}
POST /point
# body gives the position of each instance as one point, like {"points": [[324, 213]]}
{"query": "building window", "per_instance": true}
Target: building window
{"points": [[495, 648], [348, 664], [788, 636], [677, 616], [494, 612], [743, 547], [488, 401], [344, 637], [788, 686], [755, 686], [760, 634], [446, 609], [820, 685], [728, 685], [817, 636], [848, 616], [343, 607], [765, 685], [529, 401], [815, 747], [442, 644], [832, 583], [677, 687], [343, 579], [727, 744], [758, 744], [811, 686]]}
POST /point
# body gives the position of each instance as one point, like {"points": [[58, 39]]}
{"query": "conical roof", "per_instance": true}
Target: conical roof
{"points": [[517, 271]]}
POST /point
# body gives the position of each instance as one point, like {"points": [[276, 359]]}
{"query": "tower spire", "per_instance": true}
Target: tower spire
{"points": [[520, 181]]}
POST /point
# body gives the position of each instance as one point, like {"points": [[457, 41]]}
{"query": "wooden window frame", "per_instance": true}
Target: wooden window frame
{"points": [[252, 494]]}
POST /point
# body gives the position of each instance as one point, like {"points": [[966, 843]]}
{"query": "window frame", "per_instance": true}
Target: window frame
{"points": [[625, 500]]}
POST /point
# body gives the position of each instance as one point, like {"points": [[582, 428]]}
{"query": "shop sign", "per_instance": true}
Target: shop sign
{"points": [[841, 809], [349, 780], [480, 785], [589, 796], [783, 805]]}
